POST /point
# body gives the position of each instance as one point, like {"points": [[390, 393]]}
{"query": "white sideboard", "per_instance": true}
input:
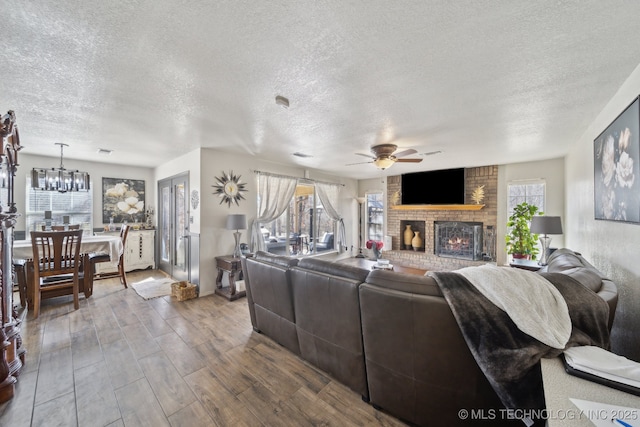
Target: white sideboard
{"points": [[139, 252]]}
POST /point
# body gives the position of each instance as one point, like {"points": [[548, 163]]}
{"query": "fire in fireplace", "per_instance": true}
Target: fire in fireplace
{"points": [[462, 240]]}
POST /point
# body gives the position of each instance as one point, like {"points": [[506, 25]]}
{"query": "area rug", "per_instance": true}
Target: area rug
{"points": [[153, 288]]}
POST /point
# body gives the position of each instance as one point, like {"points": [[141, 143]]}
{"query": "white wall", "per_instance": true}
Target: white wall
{"points": [[96, 170], [552, 171], [215, 239], [613, 247], [187, 163]]}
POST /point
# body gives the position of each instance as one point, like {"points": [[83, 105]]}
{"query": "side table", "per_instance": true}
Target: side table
{"points": [[233, 266]]}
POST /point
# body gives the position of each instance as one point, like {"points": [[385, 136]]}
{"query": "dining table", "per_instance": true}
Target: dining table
{"points": [[89, 247]]}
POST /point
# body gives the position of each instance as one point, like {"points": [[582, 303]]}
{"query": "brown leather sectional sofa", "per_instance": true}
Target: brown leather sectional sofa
{"points": [[389, 336]]}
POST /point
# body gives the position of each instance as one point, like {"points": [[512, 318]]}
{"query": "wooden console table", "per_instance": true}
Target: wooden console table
{"points": [[233, 266]]}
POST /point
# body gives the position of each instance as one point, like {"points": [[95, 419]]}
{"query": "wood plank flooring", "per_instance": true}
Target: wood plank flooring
{"points": [[121, 360]]}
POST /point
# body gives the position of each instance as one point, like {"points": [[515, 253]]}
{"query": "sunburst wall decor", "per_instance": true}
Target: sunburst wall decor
{"points": [[229, 188]]}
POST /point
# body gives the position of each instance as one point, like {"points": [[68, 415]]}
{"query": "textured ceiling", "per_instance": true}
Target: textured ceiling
{"points": [[485, 82]]}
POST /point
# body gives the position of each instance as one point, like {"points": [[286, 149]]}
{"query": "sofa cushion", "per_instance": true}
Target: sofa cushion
{"points": [[327, 313], [572, 264], [419, 367], [269, 288]]}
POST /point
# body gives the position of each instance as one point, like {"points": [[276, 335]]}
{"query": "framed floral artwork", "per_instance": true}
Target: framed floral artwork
{"points": [[616, 158], [122, 200]]}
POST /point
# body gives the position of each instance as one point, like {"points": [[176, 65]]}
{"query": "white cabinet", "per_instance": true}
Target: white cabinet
{"points": [[139, 252]]}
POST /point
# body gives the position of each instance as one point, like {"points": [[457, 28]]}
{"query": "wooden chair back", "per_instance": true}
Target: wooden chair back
{"points": [[63, 227], [56, 264], [124, 232], [56, 252]]}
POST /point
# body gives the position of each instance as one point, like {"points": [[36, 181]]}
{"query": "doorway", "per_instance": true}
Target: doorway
{"points": [[173, 226]]}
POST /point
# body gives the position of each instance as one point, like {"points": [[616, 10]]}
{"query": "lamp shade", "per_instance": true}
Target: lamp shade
{"points": [[237, 222], [546, 225]]}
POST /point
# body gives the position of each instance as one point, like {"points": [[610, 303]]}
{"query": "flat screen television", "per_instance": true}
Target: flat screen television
{"points": [[441, 187]]}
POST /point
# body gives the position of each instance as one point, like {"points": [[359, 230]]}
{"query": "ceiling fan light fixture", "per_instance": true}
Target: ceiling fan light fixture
{"points": [[383, 162]]}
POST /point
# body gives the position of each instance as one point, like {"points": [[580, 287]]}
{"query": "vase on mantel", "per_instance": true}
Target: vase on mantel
{"points": [[408, 236], [416, 242]]}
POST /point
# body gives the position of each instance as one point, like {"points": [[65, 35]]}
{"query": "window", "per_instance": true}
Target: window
{"points": [[531, 191], [78, 205], [374, 208], [304, 228]]}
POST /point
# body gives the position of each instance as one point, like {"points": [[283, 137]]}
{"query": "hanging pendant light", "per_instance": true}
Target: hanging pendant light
{"points": [[59, 179]]}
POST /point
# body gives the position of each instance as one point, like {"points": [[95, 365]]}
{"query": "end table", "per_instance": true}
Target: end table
{"points": [[233, 267]]}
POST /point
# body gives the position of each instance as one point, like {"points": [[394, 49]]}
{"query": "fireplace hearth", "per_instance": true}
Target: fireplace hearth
{"points": [[461, 240]]}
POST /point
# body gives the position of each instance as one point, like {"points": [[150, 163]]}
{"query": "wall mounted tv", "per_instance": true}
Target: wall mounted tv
{"points": [[441, 187]]}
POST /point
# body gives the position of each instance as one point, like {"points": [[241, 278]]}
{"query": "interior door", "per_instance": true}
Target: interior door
{"points": [[173, 224]]}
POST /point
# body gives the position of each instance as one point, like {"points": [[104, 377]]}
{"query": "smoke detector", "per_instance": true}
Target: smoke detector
{"points": [[282, 101]]}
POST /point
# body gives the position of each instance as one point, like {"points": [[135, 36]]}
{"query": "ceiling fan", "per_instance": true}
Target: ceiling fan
{"points": [[384, 156]]}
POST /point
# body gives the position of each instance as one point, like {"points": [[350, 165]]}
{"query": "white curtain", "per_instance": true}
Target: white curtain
{"points": [[275, 193], [328, 194]]}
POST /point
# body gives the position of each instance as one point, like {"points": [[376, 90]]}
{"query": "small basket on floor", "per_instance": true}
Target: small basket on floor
{"points": [[183, 290]]}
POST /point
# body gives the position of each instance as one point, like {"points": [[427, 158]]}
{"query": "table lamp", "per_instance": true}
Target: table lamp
{"points": [[237, 222], [545, 225]]}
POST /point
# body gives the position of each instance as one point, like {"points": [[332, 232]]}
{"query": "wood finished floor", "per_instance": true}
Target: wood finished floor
{"points": [[122, 361]]}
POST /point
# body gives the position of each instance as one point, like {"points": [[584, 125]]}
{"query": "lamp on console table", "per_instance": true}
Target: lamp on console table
{"points": [[545, 225], [237, 222]]}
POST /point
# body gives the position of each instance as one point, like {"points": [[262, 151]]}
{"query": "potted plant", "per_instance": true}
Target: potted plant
{"points": [[521, 243]]}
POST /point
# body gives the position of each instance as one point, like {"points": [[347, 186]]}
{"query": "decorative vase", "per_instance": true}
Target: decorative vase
{"points": [[408, 236], [416, 242], [112, 226], [376, 252]]}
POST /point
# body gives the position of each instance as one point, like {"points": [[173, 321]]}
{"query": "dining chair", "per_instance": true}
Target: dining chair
{"points": [[63, 227], [56, 265], [95, 258]]}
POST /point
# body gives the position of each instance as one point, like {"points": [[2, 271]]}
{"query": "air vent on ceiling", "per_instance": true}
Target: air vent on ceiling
{"points": [[304, 156], [104, 151]]}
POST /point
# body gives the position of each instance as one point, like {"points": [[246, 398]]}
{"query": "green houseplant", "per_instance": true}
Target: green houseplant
{"points": [[521, 243]]}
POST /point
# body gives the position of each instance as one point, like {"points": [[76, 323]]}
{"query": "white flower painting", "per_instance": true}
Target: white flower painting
{"points": [[617, 168], [122, 200]]}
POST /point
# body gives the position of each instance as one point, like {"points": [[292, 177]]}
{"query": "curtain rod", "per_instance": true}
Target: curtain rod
{"points": [[299, 178]]}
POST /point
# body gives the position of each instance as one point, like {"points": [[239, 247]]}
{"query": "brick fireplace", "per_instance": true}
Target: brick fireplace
{"points": [[424, 219]]}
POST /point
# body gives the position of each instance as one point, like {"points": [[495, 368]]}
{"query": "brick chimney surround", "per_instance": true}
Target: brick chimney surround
{"points": [[423, 218]]}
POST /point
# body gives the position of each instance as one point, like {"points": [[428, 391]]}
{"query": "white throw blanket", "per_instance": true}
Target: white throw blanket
{"points": [[532, 302]]}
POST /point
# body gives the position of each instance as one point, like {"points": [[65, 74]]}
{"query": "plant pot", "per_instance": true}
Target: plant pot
{"points": [[521, 256], [416, 242], [408, 235]]}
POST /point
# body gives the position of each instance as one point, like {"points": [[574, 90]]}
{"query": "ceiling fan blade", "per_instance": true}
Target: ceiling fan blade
{"points": [[405, 153], [408, 160], [365, 155], [359, 163]]}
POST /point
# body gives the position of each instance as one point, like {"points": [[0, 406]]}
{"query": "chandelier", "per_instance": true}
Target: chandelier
{"points": [[59, 179]]}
